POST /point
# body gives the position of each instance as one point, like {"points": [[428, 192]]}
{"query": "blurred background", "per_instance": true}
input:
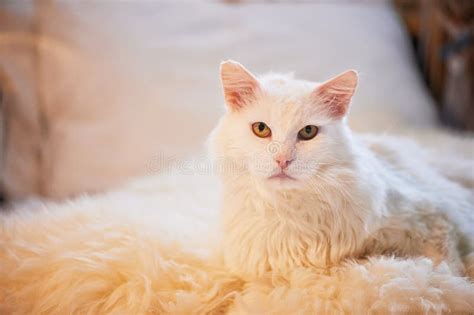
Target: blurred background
{"points": [[94, 93]]}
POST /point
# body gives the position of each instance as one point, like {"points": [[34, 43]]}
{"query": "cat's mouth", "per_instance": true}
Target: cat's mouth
{"points": [[281, 176]]}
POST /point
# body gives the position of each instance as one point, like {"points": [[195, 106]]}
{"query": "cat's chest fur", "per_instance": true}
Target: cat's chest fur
{"points": [[292, 230]]}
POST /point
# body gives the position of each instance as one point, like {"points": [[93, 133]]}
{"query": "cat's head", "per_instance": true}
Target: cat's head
{"points": [[282, 132]]}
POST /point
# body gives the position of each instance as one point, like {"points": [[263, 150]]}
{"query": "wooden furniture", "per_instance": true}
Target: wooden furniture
{"points": [[443, 35]]}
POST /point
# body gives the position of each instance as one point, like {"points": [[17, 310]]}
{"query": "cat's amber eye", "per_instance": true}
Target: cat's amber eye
{"points": [[260, 129], [308, 132]]}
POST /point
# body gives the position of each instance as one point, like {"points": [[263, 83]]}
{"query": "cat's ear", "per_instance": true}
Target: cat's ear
{"points": [[335, 94], [239, 85]]}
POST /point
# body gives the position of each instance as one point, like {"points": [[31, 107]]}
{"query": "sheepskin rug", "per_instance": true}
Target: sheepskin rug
{"points": [[147, 249]]}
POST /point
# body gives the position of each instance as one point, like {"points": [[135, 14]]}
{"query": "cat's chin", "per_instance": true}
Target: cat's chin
{"points": [[281, 177], [283, 181]]}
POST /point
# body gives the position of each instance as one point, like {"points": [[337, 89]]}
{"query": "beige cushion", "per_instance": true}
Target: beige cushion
{"points": [[125, 88]]}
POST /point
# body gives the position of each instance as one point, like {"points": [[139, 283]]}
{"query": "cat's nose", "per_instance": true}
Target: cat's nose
{"points": [[283, 162]]}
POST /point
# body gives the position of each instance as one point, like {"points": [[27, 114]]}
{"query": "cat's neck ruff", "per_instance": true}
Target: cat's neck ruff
{"points": [[317, 225]]}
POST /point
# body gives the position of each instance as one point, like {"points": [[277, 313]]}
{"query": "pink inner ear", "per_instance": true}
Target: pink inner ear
{"points": [[238, 96], [335, 101], [335, 95], [238, 83]]}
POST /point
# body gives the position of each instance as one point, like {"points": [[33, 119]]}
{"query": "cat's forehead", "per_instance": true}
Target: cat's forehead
{"points": [[283, 95], [285, 85]]}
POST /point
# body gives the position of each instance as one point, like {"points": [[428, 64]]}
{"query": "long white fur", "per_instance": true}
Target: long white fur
{"points": [[352, 197]]}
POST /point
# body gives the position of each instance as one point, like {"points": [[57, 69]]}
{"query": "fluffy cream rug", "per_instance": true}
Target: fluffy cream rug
{"points": [[122, 253]]}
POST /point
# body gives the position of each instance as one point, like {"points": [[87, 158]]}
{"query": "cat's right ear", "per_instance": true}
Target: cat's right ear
{"points": [[239, 85]]}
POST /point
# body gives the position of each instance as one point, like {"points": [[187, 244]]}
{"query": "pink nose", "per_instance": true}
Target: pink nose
{"points": [[282, 162]]}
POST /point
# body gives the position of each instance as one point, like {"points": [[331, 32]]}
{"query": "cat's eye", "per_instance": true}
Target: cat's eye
{"points": [[260, 129], [308, 132]]}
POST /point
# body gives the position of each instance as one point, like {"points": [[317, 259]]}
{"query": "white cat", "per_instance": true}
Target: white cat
{"points": [[304, 191]]}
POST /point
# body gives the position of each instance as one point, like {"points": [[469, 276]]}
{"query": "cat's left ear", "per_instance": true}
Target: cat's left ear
{"points": [[335, 94], [239, 85]]}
